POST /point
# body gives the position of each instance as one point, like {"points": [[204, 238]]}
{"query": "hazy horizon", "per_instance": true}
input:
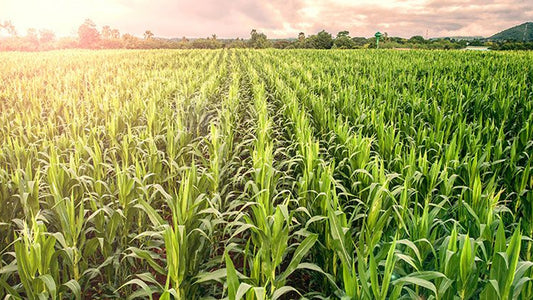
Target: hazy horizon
{"points": [[277, 19]]}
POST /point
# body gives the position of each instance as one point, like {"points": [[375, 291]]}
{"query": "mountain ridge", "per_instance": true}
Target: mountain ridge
{"points": [[522, 32]]}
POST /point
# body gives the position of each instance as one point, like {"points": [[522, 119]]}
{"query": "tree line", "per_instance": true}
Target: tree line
{"points": [[90, 37]]}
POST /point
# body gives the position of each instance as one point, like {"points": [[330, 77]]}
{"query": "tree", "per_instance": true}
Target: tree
{"points": [[46, 36], [237, 43], [67, 43], [207, 43], [280, 44], [88, 34], [148, 35], [476, 42], [31, 34], [9, 27], [110, 38], [32, 39], [301, 36], [129, 41], [106, 32], [344, 42], [398, 40], [115, 34], [343, 33], [417, 39], [359, 41], [323, 40], [258, 40]]}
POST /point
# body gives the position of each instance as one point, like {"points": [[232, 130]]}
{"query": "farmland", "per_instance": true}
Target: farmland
{"points": [[266, 174]]}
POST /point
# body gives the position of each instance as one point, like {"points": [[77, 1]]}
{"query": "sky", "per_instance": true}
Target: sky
{"points": [[276, 18]]}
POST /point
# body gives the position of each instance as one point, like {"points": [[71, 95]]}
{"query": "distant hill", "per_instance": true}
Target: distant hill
{"points": [[460, 38], [523, 32]]}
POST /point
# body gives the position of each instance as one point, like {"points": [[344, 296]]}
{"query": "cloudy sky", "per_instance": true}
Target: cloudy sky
{"points": [[277, 18]]}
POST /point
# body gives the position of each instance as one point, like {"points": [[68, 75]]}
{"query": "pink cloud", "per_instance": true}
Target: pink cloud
{"points": [[277, 18]]}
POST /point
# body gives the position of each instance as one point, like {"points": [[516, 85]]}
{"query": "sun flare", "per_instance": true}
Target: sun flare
{"points": [[61, 16]]}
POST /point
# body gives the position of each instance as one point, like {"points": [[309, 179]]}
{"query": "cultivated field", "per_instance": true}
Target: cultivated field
{"points": [[266, 174]]}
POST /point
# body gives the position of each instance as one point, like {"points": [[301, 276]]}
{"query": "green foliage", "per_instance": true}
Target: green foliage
{"points": [[522, 32], [343, 42], [321, 40], [258, 40]]}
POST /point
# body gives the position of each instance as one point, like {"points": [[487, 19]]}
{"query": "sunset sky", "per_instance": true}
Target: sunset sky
{"points": [[277, 18]]}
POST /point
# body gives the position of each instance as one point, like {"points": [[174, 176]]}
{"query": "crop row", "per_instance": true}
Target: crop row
{"points": [[246, 174]]}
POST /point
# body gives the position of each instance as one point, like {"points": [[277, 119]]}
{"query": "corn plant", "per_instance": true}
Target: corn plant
{"points": [[266, 174]]}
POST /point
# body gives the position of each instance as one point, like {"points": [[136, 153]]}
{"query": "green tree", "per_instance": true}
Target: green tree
{"points": [[322, 40], [280, 44], [88, 35], [417, 39], [301, 37], [258, 40], [398, 40], [343, 33], [359, 41], [343, 41], [207, 43], [237, 43]]}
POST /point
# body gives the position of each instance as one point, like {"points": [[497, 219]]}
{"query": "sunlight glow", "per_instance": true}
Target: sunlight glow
{"points": [[61, 16]]}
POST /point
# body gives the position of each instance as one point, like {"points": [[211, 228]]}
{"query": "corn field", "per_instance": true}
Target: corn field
{"points": [[266, 174]]}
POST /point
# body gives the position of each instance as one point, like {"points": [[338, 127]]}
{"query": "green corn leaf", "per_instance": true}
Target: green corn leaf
{"points": [[282, 291], [298, 255], [232, 279], [242, 290], [74, 287]]}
